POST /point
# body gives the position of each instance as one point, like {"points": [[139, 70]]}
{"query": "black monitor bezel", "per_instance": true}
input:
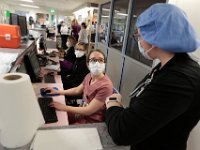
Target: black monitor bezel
{"points": [[11, 19], [21, 27]]}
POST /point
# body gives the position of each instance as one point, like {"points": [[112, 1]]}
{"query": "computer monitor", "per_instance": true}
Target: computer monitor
{"points": [[22, 68], [32, 66], [14, 19], [23, 25]]}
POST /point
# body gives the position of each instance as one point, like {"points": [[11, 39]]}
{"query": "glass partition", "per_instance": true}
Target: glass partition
{"points": [[120, 14], [104, 21], [132, 47]]}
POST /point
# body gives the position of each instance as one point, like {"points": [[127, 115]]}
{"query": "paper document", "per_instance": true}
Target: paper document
{"points": [[67, 139], [4, 68], [7, 58]]}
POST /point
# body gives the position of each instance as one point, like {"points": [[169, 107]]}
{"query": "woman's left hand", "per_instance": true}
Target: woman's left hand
{"points": [[114, 100], [58, 106]]}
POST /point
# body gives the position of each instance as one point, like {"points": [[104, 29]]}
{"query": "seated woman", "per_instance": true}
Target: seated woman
{"points": [[69, 56], [95, 88], [79, 69]]}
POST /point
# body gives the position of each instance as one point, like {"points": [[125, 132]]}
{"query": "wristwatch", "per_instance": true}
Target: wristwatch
{"points": [[114, 99]]}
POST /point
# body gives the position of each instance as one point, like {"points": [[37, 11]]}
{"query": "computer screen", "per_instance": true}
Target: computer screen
{"points": [[14, 19], [23, 25], [34, 62], [22, 68], [32, 66]]}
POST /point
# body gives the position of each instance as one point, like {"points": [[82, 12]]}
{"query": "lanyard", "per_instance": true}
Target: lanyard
{"points": [[140, 88]]}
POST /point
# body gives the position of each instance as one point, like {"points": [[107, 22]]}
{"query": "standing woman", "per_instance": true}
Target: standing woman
{"points": [[65, 32], [83, 36], [75, 29], [165, 106]]}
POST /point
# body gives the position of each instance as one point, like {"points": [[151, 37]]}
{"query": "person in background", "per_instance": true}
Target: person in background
{"points": [[79, 69], [95, 88], [165, 105], [75, 29], [59, 27], [83, 36], [65, 32], [69, 57]]}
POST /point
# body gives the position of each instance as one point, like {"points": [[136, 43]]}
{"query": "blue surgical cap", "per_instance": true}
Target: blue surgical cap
{"points": [[167, 27]]}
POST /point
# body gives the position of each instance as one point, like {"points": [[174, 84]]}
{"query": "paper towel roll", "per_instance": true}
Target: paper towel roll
{"points": [[20, 114]]}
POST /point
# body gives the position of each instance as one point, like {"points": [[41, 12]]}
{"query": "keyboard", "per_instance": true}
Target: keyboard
{"points": [[49, 79], [49, 113]]}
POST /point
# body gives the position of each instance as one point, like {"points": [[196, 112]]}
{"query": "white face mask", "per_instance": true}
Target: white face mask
{"points": [[68, 44], [142, 51], [97, 68], [79, 53]]}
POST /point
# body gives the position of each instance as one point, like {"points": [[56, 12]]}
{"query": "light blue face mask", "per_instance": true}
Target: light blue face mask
{"points": [[145, 54]]}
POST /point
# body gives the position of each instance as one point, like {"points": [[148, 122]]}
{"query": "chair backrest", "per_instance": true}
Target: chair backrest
{"points": [[193, 141], [115, 91]]}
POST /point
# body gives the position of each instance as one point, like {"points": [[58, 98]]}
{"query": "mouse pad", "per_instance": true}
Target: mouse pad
{"points": [[43, 93]]}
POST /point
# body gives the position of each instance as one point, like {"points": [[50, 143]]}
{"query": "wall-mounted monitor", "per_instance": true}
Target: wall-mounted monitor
{"points": [[14, 19], [23, 25]]}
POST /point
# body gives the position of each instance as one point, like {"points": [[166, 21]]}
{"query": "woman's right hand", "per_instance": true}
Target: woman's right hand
{"points": [[51, 90]]}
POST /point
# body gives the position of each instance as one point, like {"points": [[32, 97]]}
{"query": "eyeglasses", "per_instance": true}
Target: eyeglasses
{"points": [[92, 60], [136, 36]]}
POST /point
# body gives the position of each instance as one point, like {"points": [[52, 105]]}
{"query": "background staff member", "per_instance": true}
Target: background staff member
{"points": [[79, 69], [65, 32], [95, 88], [165, 105], [69, 56]]}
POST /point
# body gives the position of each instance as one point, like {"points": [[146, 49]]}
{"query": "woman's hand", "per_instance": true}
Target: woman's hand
{"points": [[51, 90], [58, 106]]}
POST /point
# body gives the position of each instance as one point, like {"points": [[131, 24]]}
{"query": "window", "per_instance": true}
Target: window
{"points": [[132, 47], [104, 20], [119, 19]]}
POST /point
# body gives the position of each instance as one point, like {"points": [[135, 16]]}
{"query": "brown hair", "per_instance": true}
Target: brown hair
{"points": [[74, 22], [72, 40], [83, 24], [85, 46], [96, 50]]}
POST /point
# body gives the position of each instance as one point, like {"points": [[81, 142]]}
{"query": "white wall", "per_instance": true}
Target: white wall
{"points": [[3, 8], [191, 7]]}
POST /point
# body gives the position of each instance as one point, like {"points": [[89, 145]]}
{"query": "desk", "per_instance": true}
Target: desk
{"points": [[62, 116], [106, 140]]}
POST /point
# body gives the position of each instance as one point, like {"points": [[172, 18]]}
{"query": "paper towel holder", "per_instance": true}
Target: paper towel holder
{"points": [[25, 125], [12, 77]]}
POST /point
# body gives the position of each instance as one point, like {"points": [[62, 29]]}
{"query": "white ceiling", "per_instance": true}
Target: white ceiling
{"points": [[59, 5]]}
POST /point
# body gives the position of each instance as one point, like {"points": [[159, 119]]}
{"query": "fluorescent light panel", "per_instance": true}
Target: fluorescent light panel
{"points": [[122, 14], [29, 1], [32, 6]]}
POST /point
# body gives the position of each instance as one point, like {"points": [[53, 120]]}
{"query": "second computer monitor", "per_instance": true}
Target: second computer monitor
{"points": [[23, 25], [14, 19]]}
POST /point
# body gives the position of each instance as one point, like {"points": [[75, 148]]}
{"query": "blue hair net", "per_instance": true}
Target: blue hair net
{"points": [[166, 26]]}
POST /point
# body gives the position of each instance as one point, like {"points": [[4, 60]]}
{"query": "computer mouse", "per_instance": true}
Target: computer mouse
{"points": [[55, 88], [44, 91]]}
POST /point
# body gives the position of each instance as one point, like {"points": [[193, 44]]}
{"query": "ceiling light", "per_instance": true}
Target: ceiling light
{"points": [[29, 1], [122, 14], [105, 16], [32, 6]]}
